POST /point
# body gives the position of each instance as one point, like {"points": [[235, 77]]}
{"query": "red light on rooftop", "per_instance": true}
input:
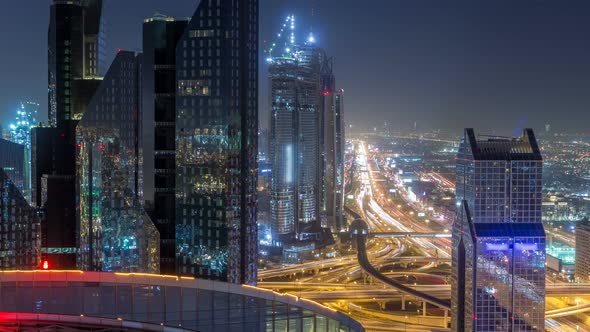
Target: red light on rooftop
{"points": [[45, 265], [326, 92], [119, 51]]}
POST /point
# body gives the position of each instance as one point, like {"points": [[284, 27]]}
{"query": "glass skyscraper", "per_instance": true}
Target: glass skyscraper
{"points": [[114, 233], [498, 268], [20, 132], [294, 75], [160, 38], [76, 57], [75, 64], [331, 148], [216, 142]]}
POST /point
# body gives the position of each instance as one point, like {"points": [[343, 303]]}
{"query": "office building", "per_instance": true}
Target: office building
{"points": [[332, 154], [331, 149], [160, 38], [113, 233], [498, 267], [583, 251], [216, 142], [75, 65], [76, 46], [20, 228], [294, 75]]}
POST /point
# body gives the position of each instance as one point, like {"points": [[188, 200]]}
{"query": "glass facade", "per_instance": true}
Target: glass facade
{"points": [[75, 55], [216, 142], [498, 279], [20, 132], [115, 235], [20, 229], [333, 159], [192, 304], [295, 136], [160, 37]]}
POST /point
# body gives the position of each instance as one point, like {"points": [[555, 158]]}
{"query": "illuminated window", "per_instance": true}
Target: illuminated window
{"points": [[201, 33], [193, 88]]}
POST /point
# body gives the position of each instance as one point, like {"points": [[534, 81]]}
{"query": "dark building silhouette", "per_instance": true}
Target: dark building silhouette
{"points": [[113, 233], [160, 38], [216, 149], [498, 268]]}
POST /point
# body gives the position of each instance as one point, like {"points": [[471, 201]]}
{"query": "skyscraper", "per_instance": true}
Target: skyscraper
{"points": [[294, 133], [160, 38], [76, 57], [75, 63], [20, 132], [332, 153], [498, 268], [114, 235], [331, 148], [216, 142]]}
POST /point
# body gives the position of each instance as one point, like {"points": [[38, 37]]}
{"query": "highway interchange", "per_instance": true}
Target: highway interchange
{"points": [[342, 284]]}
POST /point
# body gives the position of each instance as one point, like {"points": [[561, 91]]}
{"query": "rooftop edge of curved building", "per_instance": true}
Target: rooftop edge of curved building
{"points": [[173, 301]]}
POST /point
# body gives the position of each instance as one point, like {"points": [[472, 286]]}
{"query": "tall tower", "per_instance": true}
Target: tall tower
{"points": [[216, 142], [332, 148], [76, 57], [20, 132], [114, 233], [160, 38], [294, 76], [498, 268]]}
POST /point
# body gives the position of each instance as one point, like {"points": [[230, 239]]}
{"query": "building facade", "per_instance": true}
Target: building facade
{"points": [[332, 157], [294, 155], [160, 38], [498, 267], [75, 55], [20, 229], [114, 234], [75, 63], [216, 142]]}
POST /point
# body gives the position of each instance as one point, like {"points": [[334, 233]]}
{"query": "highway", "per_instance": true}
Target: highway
{"points": [[342, 282], [368, 267]]}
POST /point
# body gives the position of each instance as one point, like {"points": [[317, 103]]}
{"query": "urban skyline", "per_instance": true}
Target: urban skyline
{"points": [[480, 60], [219, 177]]}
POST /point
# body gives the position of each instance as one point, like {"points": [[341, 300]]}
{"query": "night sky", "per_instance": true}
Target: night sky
{"points": [[488, 64]]}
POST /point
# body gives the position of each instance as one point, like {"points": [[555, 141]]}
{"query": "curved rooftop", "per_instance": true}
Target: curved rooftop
{"points": [[167, 301]]}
